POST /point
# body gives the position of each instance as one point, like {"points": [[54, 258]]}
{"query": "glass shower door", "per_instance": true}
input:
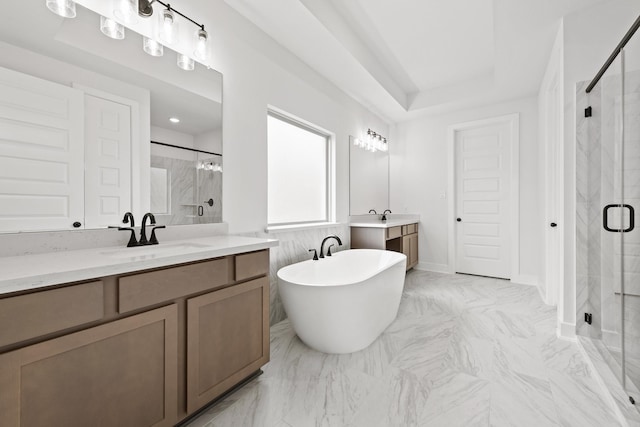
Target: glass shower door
{"points": [[630, 239], [606, 199]]}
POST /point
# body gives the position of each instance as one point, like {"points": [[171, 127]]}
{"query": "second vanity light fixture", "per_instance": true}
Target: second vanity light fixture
{"points": [[165, 28], [372, 142]]}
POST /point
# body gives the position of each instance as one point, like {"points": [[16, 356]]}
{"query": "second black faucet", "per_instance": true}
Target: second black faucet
{"points": [[128, 219]]}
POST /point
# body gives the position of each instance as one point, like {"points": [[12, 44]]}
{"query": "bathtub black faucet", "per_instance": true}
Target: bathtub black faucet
{"points": [[324, 240]]}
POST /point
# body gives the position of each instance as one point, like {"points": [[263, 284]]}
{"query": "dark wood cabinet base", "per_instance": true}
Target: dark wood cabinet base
{"points": [[152, 348]]}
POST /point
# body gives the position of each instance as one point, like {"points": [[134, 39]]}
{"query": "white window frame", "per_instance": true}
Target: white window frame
{"points": [[330, 165]]}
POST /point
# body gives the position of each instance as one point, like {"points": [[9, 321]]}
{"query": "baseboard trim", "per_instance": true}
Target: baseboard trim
{"points": [[567, 331], [434, 267], [541, 292], [525, 279]]}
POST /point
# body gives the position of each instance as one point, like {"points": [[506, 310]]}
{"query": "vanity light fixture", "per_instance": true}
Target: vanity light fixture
{"points": [[210, 166], [168, 27], [167, 32], [373, 142], [111, 28], [126, 11], [201, 44], [186, 63], [152, 47], [64, 8]]}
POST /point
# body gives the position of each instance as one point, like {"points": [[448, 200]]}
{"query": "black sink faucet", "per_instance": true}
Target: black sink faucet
{"points": [[384, 214], [143, 230], [128, 219], [324, 240], [373, 211]]}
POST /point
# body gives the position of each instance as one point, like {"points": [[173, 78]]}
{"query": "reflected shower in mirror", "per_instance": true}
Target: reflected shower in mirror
{"points": [[186, 185]]}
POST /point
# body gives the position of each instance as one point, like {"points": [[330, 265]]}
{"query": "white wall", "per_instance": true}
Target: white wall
{"points": [[209, 141], [170, 136], [419, 180], [589, 38]]}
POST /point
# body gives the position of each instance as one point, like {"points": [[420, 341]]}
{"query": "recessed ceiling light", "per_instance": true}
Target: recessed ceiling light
{"points": [[174, 120]]}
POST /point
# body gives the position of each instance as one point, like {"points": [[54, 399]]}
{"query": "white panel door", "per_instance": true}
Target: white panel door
{"points": [[107, 161], [553, 182], [482, 156], [41, 154]]}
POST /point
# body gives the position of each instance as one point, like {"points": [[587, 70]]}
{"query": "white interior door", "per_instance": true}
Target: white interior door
{"points": [[553, 183], [482, 187], [41, 160], [107, 161]]}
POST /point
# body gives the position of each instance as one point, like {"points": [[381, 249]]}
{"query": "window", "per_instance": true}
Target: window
{"points": [[299, 175]]}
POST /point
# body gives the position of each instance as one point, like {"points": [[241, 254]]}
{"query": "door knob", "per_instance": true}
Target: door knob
{"points": [[553, 224], [459, 219]]}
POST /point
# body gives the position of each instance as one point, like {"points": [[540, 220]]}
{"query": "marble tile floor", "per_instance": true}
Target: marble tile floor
{"points": [[463, 351], [632, 363]]}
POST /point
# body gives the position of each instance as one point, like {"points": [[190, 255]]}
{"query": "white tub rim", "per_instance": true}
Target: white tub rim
{"points": [[394, 259]]}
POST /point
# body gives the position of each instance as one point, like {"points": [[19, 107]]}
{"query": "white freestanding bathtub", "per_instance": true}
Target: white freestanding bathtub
{"points": [[342, 303]]}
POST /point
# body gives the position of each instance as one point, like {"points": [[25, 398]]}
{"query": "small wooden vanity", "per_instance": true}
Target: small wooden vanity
{"points": [[393, 236], [145, 348]]}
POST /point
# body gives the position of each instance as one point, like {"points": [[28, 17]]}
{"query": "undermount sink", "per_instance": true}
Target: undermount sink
{"points": [[152, 251]]}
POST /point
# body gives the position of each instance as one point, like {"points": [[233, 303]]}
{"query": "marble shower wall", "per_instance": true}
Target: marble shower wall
{"points": [[294, 247], [588, 226]]}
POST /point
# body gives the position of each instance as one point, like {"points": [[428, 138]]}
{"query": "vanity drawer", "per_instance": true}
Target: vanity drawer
{"points": [[252, 264], [153, 287], [394, 232], [29, 316], [409, 229]]}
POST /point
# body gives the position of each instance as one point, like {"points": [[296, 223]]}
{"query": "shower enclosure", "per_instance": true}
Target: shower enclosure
{"points": [[608, 193], [186, 185]]}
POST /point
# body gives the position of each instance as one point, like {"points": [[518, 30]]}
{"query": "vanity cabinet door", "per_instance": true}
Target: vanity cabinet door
{"points": [[410, 245], [413, 250], [122, 373], [227, 339]]}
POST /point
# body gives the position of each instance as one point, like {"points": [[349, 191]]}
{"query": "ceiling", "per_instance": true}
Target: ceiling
{"points": [[407, 58]]}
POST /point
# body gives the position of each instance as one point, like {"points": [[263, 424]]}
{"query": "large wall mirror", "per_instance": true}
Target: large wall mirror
{"points": [[368, 180], [92, 127]]}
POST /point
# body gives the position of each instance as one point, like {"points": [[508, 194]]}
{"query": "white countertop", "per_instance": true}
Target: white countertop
{"points": [[373, 221], [27, 272]]}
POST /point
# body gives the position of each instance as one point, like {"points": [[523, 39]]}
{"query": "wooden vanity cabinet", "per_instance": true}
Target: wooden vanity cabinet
{"points": [[122, 373], [154, 347], [227, 339], [403, 238]]}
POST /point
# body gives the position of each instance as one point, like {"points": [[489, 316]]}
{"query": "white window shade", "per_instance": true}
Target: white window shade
{"points": [[298, 173]]}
